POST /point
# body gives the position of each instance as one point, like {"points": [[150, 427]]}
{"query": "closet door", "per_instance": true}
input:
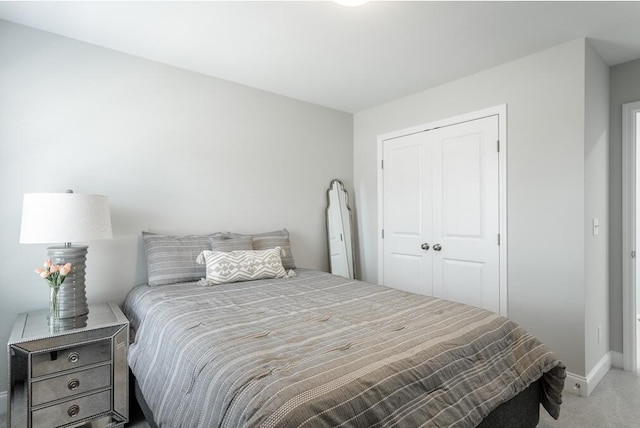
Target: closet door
{"points": [[465, 213], [441, 219], [407, 213]]}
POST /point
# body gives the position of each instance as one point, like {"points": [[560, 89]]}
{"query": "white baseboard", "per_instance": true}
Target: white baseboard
{"points": [[575, 384], [3, 402], [584, 386], [616, 360]]}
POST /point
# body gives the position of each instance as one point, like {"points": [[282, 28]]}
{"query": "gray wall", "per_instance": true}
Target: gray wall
{"points": [[596, 183], [175, 151], [545, 93], [625, 88]]}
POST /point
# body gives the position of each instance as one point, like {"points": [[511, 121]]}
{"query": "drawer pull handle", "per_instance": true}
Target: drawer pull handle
{"points": [[73, 384], [73, 357], [73, 411]]}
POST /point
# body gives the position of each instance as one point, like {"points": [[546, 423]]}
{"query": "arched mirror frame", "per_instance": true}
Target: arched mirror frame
{"points": [[343, 222]]}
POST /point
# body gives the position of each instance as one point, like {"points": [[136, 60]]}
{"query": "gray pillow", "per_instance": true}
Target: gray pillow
{"points": [[172, 259], [267, 240], [234, 244]]}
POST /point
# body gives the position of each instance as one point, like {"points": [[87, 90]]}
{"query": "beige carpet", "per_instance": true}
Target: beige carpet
{"points": [[614, 403]]}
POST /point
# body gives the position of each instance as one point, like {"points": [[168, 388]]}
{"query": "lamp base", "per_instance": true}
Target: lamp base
{"points": [[72, 296], [71, 323]]}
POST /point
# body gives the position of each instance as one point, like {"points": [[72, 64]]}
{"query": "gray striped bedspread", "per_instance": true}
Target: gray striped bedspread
{"points": [[320, 350]]}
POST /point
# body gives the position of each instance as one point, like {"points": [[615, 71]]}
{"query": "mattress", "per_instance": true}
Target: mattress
{"points": [[321, 350]]}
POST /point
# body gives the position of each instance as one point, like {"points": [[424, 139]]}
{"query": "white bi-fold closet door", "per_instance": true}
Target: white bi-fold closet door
{"points": [[441, 213]]}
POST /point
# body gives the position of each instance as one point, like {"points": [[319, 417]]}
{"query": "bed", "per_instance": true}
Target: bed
{"points": [[319, 350]]}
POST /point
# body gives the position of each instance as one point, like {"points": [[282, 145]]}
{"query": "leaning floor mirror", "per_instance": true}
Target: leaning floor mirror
{"points": [[339, 231]]}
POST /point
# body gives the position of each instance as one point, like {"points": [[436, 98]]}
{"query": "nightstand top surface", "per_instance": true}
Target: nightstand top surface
{"points": [[34, 325]]}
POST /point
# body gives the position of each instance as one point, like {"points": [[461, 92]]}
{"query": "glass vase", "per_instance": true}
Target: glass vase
{"points": [[54, 308]]}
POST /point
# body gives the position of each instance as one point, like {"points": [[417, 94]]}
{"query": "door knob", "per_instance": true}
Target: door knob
{"points": [[437, 247], [425, 246]]}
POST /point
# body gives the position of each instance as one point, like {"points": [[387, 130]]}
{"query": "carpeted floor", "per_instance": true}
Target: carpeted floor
{"points": [[614, 403]]}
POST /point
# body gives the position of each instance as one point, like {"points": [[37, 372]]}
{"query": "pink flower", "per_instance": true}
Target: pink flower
{"points": [[54, 274]]}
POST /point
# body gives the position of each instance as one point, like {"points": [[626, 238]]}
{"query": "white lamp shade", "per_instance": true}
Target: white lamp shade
{"points": [[64, 217]]}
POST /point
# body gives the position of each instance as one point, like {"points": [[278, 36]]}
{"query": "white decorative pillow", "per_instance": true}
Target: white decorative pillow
{"points": [[242, 265]]}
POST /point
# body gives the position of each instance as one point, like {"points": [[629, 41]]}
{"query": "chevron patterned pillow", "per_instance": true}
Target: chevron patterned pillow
{"points": [[241, 265]]}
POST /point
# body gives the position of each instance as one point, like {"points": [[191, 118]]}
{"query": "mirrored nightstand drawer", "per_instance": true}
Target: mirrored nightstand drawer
{"points": [[72, 410], [71, 384], [75, 377], [70, 358]]}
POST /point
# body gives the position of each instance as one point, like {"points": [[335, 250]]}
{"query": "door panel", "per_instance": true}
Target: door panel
{"points": [[461, 277], [406, 197], [441, 187], [465, 213], [406, 272], [407, 209], [462, 186]]}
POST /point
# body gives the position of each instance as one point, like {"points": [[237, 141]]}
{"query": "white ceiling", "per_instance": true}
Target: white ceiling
{"points": [[346, 58]]}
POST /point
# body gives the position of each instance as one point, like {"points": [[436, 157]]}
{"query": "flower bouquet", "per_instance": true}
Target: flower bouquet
{"points": [[55, 276]]}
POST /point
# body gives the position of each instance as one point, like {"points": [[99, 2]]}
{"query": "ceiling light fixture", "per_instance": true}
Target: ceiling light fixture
{"points": [[351, 3]]}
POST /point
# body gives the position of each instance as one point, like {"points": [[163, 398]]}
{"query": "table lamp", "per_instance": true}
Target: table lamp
{"points": [[49, 218]]}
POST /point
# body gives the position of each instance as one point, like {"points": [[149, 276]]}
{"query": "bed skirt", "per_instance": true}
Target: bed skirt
{"points": [[522, 411]]}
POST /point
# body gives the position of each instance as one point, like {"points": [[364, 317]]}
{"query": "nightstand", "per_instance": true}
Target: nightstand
{"points": [[71, 378]]}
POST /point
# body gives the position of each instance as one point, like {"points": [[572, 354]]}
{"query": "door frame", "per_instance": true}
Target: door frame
{"points": [[501, 112], [629, 173]]}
